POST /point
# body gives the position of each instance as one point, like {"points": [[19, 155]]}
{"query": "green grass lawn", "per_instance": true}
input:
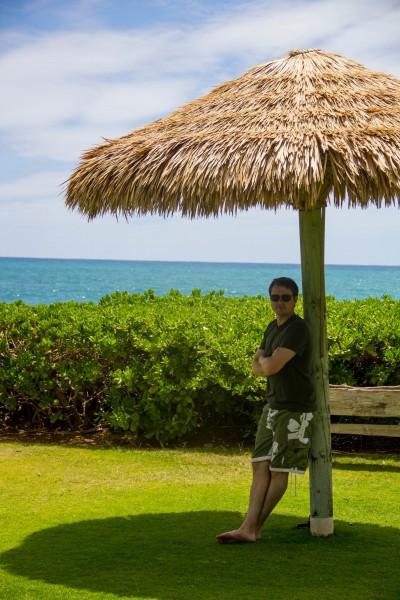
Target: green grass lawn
{"points": [[85, 523]]}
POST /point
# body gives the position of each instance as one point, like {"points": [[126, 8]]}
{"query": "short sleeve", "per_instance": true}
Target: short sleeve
{"points": [[296, 337]]}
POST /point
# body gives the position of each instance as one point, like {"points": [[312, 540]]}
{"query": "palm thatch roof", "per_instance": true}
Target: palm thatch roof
{"points": [[310, 127]]}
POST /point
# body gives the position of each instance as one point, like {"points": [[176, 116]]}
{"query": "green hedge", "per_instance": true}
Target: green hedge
{"points": [[163, 367]]}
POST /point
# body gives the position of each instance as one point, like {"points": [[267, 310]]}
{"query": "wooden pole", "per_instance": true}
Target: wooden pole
{"points": [[312, 234]]}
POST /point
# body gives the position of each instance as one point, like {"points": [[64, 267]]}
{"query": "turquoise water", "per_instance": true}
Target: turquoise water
{"points": [[58, 280]]}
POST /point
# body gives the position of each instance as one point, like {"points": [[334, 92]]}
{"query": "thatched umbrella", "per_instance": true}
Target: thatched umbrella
{"points": [[295, 132]]}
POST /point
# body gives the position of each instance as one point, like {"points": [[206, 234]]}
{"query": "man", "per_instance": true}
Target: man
{"points": [[284, 430]]}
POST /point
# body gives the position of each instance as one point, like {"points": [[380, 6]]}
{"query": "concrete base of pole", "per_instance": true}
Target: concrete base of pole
{"points": [[321, 527]]}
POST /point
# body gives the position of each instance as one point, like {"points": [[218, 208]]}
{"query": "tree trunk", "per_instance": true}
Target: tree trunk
{"points": [[312, 233]]}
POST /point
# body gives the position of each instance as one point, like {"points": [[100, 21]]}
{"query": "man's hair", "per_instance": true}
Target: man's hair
{"points": [[285, 282]]}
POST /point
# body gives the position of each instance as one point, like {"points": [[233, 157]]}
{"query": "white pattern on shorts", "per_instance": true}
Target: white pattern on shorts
{"points": [[297, 430]]}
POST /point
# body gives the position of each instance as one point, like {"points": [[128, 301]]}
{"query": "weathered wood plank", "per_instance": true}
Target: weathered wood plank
{"points": [[365, 402], [378, 389], [380, 401], [364, 429]]}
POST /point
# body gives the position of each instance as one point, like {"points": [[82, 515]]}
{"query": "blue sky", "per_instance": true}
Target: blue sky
{"points": [[75, 72]]}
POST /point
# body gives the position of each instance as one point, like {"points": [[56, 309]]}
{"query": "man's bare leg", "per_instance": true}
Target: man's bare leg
{"points": [[276, 489], [249, 529]]}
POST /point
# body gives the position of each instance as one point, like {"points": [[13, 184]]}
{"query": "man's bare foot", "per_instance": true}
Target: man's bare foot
{"points": [[258, 536], [236, 536]]}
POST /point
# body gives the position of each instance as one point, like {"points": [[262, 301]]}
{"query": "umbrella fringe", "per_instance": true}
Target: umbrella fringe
{"points": [[312, 128]]}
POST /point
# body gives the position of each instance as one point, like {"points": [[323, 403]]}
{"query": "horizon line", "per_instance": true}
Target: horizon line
{"points": [[190, 261]]}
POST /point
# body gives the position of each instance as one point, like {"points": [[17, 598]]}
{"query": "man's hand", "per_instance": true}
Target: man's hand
{"points": [[269, 365]]}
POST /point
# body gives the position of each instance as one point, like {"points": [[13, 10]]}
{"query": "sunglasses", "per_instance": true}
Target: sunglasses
{"points": [[283, 297]]}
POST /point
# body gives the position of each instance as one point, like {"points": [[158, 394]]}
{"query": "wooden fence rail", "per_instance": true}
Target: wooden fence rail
{"points": [[365, 402]]}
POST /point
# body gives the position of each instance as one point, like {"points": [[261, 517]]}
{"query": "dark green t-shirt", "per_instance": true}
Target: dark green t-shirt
{"points": [[291, 388]]}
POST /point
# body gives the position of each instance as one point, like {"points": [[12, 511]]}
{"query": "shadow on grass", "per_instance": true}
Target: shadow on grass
{"points": [[174, 556], [379, 468]]}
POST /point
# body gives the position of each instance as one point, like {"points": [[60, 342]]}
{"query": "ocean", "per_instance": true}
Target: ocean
{"points": [[44, 281]]}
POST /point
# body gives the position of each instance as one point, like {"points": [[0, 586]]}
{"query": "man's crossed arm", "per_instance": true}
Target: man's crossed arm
{"points": [[269, 365]]}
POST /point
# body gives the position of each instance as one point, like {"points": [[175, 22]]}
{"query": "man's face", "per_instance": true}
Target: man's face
{"points": [[282, 307]]}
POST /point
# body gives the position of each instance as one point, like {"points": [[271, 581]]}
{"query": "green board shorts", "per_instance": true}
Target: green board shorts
{"points": [[283, 437]]}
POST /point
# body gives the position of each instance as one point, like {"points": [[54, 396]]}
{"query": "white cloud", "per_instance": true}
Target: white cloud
{"points": [[57, 56], [38, 185], [99, 103], [128, 101]]}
